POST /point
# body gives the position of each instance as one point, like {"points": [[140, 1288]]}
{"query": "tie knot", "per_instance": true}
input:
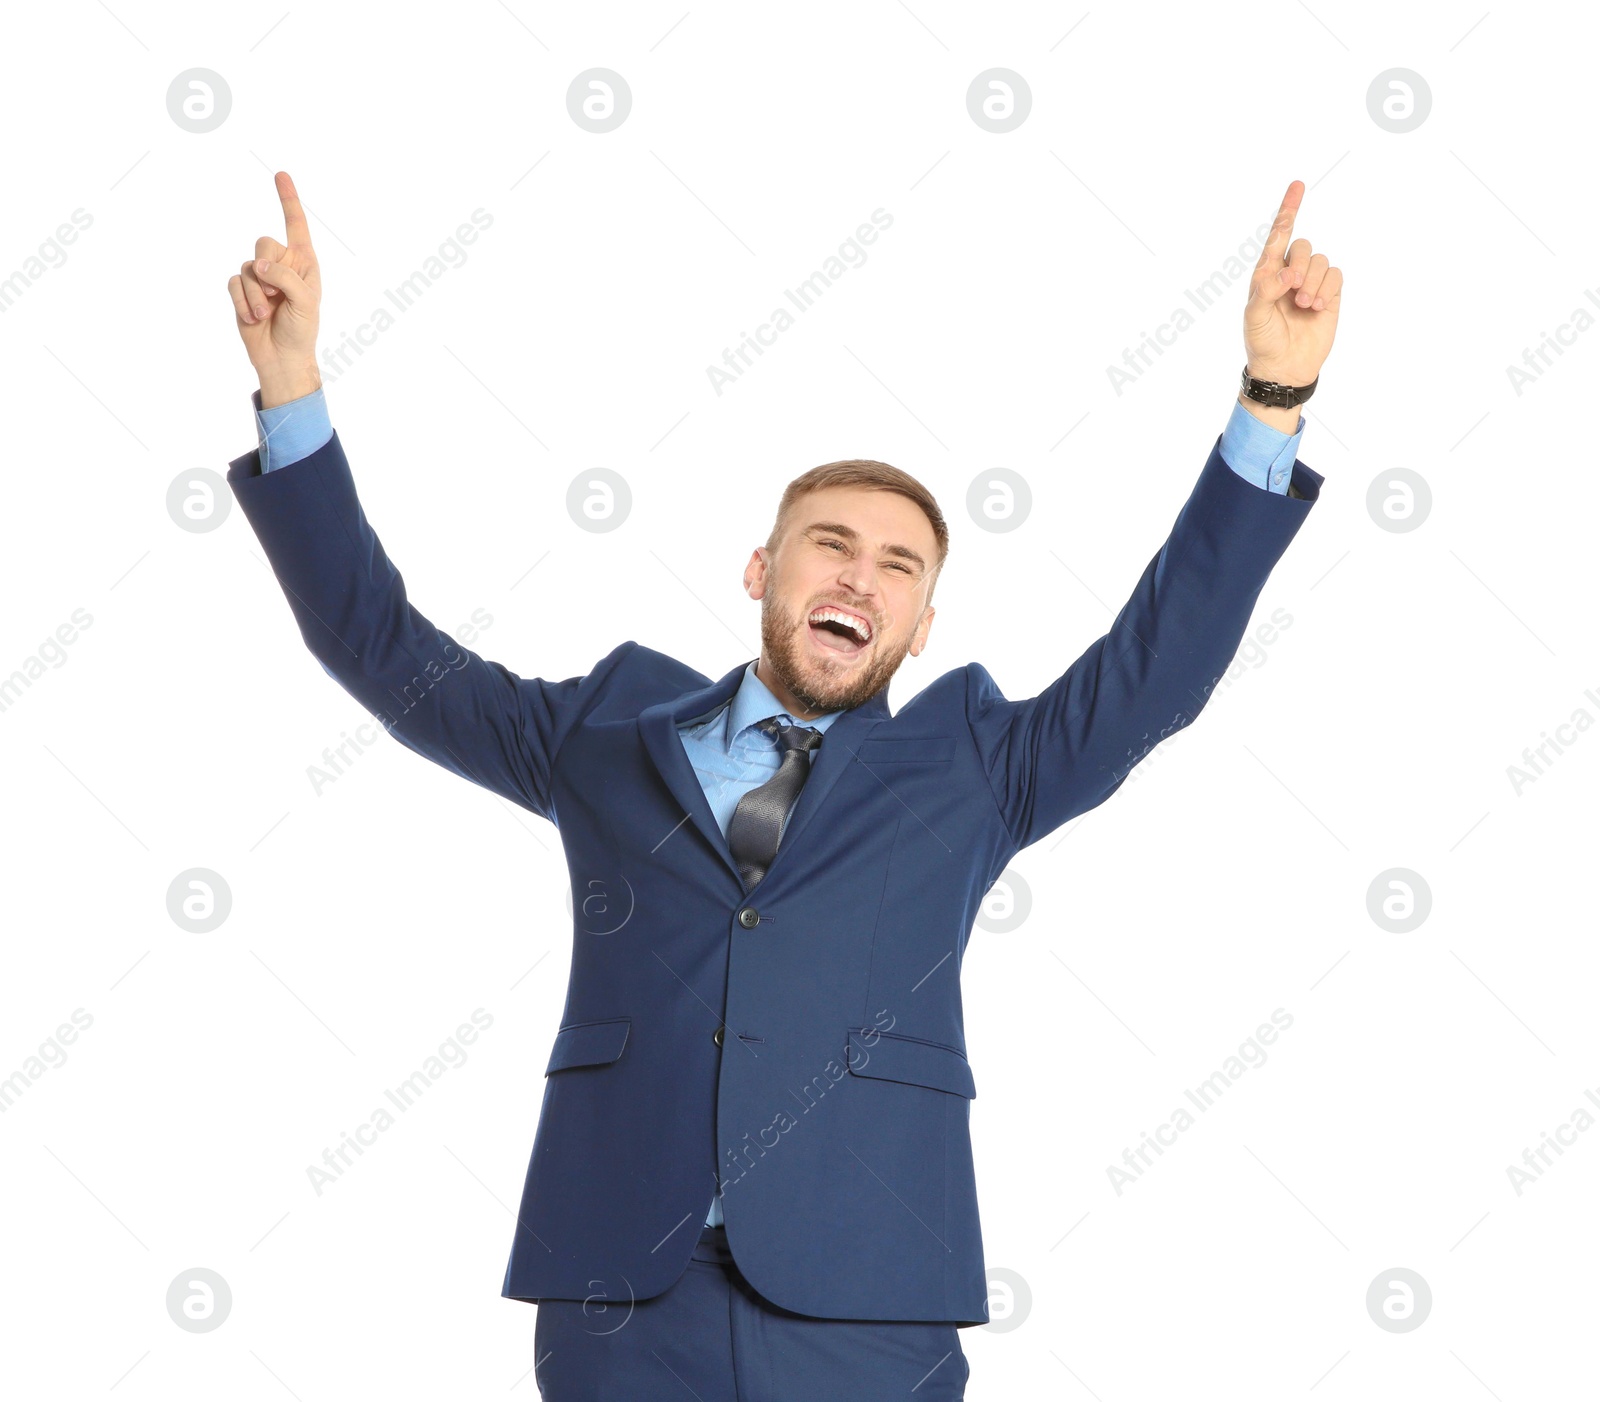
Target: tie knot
{"points": [[791, 737]]}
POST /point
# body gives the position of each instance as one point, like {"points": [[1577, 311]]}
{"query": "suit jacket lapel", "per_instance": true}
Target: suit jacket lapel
{"points": [[839, 744], [658, 728]]}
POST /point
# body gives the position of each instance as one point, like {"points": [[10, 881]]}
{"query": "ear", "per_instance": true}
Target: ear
{"points": [[919, 638], [755, 573]]}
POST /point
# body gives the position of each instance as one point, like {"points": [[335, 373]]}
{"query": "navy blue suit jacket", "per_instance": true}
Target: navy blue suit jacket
{"points": [[805, 1038]]}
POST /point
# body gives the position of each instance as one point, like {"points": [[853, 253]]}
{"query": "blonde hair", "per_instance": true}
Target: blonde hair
{"points": [[865, 472]]}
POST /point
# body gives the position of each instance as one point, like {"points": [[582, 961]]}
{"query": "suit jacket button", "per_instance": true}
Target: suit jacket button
{"points": [[749, 918], [717, 1036]]}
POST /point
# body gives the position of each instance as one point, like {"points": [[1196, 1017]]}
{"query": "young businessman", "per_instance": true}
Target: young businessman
{"points": [[752, 1176]]}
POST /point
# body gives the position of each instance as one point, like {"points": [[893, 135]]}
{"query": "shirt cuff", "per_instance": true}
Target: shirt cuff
{"points": [[1258, 452], [289, 432]]}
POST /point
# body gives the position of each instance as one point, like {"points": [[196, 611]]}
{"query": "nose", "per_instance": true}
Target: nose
{"points": [[857, 577]]}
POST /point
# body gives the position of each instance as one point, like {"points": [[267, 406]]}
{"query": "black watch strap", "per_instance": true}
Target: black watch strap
{"points": [[1272, 393]]}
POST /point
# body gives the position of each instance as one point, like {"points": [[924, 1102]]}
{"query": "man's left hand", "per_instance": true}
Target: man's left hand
{"points": [[1293, 306]]}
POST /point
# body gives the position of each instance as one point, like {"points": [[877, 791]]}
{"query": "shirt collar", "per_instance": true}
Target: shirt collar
{"points": [[753, 702]]}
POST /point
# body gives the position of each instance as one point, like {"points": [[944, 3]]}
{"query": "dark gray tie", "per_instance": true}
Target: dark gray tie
{"points": [[756, 828]]}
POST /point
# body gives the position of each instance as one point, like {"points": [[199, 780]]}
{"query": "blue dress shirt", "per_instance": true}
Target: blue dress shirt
{"points": [[730, 756]]}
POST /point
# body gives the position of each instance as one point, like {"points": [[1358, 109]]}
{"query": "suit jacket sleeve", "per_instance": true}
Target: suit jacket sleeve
{"points": [[473, 717], [1066, 750]]}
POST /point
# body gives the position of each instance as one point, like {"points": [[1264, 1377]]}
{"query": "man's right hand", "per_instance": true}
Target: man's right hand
{"points": [[275, 300]]}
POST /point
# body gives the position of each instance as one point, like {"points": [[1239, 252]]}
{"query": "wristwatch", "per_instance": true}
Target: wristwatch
{"points": [[1272, 393]]}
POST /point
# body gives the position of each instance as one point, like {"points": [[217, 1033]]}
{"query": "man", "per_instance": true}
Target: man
{"points": [[752, 1176]]}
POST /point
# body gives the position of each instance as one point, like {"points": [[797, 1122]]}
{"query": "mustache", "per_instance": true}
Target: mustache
{"points": [[862, 609]]}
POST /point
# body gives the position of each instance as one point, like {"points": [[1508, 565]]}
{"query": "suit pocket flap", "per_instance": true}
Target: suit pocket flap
{"points": [[930, 749], [589, 1044], [891, 1057]]}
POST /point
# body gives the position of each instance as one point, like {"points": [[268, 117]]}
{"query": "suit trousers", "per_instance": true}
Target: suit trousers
{"points": [[710, 1336]]}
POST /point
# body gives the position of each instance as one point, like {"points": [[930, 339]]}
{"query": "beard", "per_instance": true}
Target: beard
{"points": [[816, 682]]}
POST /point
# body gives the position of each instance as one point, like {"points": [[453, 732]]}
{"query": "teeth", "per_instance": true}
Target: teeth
{"points": [[862, 629]]}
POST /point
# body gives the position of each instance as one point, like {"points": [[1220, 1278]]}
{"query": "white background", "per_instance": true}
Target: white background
{"points": [[1227, 879]]}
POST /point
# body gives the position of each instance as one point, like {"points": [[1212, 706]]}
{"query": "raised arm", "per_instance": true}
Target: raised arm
{"points": [[1062, 752], [434, 696], [1065, 751]]}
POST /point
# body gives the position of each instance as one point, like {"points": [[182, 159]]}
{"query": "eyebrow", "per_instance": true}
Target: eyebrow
{"points": [[904, 552]]}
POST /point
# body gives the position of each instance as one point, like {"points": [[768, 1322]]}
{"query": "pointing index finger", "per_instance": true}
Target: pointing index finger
{"points": [[1282, 226], [296, 231]]}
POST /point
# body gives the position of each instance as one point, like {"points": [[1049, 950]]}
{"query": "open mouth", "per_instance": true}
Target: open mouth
{"points": [[839, 630]]}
